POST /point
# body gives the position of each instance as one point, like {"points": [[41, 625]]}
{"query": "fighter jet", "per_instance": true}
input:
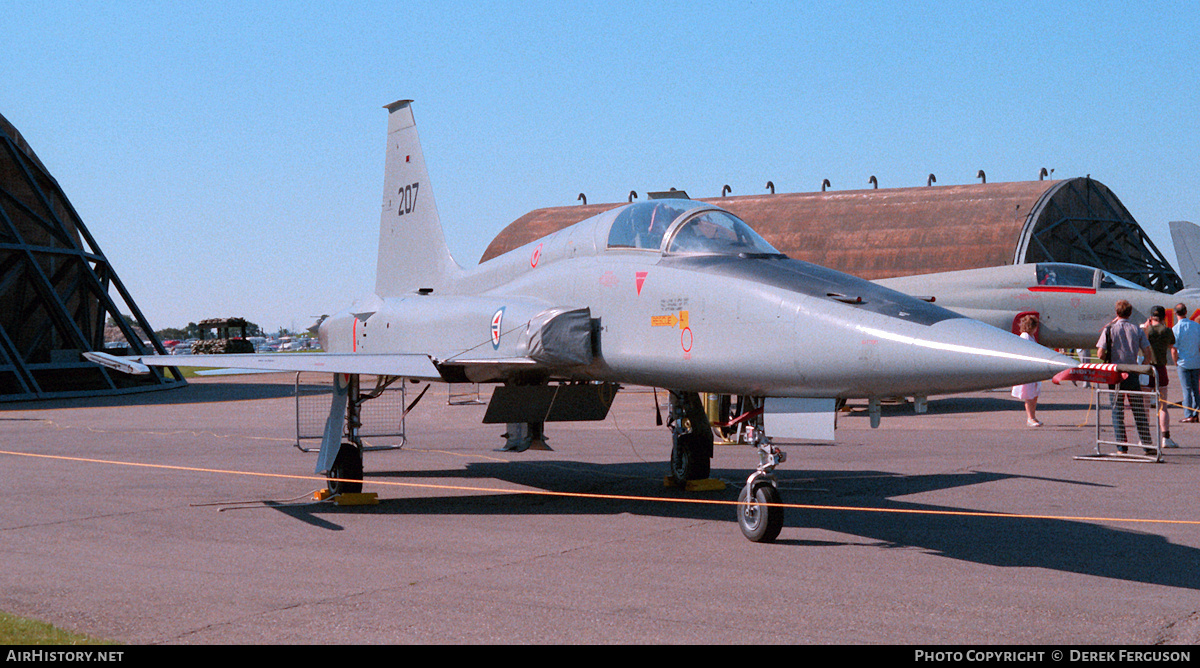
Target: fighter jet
{"points": [[1073, 302], [669, 293]]}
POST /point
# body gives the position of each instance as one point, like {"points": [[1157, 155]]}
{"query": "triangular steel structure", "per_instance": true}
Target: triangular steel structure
{"points": [[57, 292]]}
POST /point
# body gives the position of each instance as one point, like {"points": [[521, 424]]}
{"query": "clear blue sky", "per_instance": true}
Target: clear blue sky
{"points": [[228, 157]]}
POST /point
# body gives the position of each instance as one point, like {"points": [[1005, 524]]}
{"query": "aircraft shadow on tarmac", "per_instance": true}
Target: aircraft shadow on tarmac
{"points": [[956, 405], [192, 393], [1063, 545]]}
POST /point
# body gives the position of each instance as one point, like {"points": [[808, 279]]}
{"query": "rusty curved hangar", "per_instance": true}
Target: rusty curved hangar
{"points": [[58, 292], [893, 232]]}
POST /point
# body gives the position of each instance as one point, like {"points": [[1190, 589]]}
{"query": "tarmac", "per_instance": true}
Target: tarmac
{"points": [[155, 519]]}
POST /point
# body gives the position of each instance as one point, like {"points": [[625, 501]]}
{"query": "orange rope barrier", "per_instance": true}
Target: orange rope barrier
{"points": [[606, 497]]}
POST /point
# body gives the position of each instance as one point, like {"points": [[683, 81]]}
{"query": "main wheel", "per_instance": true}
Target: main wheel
{"points": [[348, 465], [689, 461], [760, 523]]}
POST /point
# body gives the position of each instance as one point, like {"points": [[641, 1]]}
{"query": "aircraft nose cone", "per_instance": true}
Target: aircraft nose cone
{"points": [[997, 356], [960, 354]]}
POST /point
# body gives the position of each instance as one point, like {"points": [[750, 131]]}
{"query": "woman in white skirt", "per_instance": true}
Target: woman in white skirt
{"points": [[1029, 391]]}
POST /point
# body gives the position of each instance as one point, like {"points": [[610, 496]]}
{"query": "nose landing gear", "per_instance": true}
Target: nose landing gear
{"points": [[760, 515]]}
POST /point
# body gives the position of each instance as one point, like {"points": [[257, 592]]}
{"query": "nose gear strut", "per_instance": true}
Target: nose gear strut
{"points": [[760, 515]]}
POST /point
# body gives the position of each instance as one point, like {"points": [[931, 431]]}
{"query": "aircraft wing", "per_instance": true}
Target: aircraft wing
{"points": [[406, 365]]}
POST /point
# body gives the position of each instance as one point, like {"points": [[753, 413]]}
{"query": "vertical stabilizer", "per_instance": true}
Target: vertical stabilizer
{"points": [[1186, 237], [412, 246]]}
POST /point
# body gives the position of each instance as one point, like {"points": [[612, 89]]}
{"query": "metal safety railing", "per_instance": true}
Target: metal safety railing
{"points": [[382, 416], [1127, 425]]}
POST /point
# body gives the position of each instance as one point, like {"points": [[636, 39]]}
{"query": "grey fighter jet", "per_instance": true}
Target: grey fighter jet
{"points": [[1073, 302], [670, 293]]}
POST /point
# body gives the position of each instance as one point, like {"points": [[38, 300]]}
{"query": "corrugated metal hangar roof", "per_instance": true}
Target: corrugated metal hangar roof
{"points": [[904, 231]]}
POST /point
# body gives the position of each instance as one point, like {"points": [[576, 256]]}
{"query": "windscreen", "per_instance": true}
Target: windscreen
{"points": [[718, 233], [1108, 280]]}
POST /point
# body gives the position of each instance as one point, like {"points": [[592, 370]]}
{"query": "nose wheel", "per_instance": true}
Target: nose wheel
{"points": [[759, 521], [760, 513]]}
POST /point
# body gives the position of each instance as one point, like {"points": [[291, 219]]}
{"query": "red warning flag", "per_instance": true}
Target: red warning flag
{"points": [[1106, 374]]}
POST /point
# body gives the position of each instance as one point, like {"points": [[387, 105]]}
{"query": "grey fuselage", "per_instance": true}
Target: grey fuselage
{"points": [[686, 317]]}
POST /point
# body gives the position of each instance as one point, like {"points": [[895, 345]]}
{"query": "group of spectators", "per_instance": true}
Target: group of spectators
{"points": [[1122, 342]]}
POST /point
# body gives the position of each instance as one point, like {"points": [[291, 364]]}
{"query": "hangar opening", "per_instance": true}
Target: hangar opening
{"points": [[884, 233], [58, 293], [1082, 222]]}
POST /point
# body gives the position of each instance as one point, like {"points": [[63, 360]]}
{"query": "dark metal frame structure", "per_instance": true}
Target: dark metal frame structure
{"points": [[57, 291], [1081, 221]]}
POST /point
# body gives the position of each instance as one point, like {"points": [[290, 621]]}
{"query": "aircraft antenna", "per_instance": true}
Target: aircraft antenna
{"points": [[931, 180], [981, 176], [771, 186], [582, 198], [825, 184]]}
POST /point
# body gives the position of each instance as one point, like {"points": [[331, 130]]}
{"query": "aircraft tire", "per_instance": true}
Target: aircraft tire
{"points": [[760, 524], [688, 458], [347, 465]]}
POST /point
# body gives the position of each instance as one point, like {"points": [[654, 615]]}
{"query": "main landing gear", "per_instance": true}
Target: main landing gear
{"points": [[691, 438], [343, 432], [346, 474]]}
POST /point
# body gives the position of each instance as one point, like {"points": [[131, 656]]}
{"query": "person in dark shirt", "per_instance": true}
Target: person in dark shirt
{"points": [[1162, 340]]}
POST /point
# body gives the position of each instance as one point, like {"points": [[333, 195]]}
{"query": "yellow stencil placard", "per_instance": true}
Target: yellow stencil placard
{"points": [[670, 320]]}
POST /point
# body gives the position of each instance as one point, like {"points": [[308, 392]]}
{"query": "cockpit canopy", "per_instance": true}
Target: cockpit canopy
{"points": [[684, 227], [1078, 276]]}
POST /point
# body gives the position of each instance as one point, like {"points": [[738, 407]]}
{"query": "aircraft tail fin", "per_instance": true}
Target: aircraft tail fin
{"points": [[1186, 237], [412, 246]]}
